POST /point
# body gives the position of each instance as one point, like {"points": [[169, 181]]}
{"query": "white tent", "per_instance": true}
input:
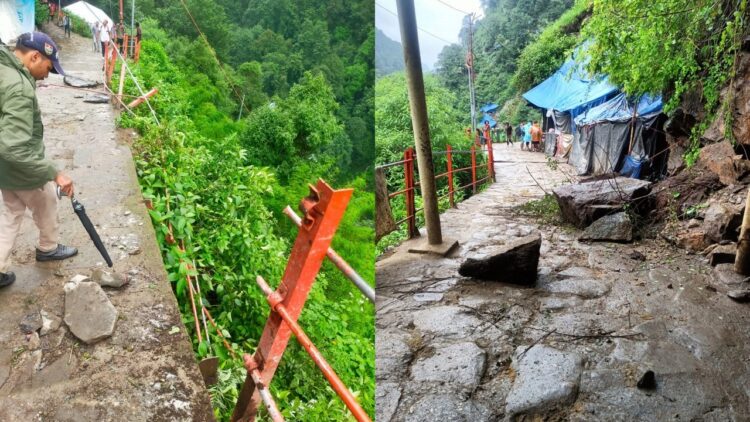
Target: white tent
{"points": [[87, 12], [16, 18]]}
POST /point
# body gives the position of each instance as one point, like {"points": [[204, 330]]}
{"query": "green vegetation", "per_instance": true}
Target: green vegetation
{"points": [[545, 210], [220, 180], [673, 47], [394, 134]]}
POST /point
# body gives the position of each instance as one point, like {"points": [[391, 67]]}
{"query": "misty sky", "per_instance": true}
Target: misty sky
{"points": [[433, 16]]}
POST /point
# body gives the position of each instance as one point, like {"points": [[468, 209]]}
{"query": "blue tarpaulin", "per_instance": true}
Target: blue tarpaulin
{"points": [[489, 108], [570, 89], [619, 109], [487, 118]]}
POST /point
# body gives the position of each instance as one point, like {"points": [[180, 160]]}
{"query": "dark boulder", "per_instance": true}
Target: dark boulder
{"points": [[615, 227], [515, 262], [582, 203]]}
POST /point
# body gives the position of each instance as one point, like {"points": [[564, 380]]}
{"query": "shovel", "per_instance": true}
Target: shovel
{"points": [[86, 222]]}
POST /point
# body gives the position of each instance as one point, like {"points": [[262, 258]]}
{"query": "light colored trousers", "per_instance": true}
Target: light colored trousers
{"points": [[43, 205]]}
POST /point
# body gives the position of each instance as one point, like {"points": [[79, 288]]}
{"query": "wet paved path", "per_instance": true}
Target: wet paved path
{"points": [[599, 317], [145, 371]]}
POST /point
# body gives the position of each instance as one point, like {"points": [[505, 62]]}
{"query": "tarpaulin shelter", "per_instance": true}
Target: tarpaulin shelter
{"points": [[88, 12], [486, 118], [489, 108], [16, 18], [605, 132], [569, 92]]}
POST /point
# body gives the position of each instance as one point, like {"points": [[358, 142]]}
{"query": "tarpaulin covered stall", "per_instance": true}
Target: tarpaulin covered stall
{"points": [[605, 132]]}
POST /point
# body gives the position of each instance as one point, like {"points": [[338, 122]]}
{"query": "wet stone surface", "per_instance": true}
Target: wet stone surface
{"points": [[607, 312]]}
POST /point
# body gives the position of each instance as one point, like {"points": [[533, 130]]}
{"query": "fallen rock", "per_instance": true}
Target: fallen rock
{"points": [[721, 221], [33, 340], [30, 323], [79, 82], [107, 279], [88, 312], [96, 99], [546, 377], [50, 323], [515, 262], [742, 295], [719, 159], [722, 254], [693, 240], [582, 203], [615, 227], [79, 278]]}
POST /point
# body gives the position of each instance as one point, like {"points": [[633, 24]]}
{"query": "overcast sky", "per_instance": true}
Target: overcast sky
{"points": [[433, 16]]}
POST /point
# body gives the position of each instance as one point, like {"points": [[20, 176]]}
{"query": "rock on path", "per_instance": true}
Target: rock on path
{"points": [[88, 312]]}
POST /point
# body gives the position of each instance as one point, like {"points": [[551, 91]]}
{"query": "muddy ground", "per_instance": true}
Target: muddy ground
{"points": [[146, 371], [450, 347]]}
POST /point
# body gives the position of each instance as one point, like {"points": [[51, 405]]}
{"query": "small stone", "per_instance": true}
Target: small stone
{"points": [[107, 279], [30, 323], [741, 296], [638, 256], [647, 381], [79, 278], [126, 213], [33, 340], [135, 251], [669, 286], [50, 323]]}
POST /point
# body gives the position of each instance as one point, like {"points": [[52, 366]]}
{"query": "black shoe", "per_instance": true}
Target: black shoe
{"points": [[62, 252], [6, 279]]}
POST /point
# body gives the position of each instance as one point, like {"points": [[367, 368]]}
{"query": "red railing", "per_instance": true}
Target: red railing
{"points": [[410, 187], [323, 210]]}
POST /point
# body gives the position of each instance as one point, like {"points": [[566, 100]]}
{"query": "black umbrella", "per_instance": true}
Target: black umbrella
{"points": [[81, 212]]}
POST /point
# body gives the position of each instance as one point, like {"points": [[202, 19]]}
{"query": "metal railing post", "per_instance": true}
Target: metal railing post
{"points": [[473, 169], [491, 160], [449, 156], [323, 210], [409, 182]]}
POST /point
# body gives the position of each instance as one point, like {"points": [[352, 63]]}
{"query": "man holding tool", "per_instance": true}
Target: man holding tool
{"points": [[27, 178]]}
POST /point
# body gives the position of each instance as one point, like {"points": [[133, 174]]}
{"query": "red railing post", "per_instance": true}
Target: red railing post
{"points": [[449, 155], [323, 211], [409, 182], [473, 169], [491, 159]]}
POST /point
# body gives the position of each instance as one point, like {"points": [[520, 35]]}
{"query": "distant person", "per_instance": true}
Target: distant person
{"points": [[137, 46], [95, 36], [479, 141], [120, 34], [104, 36], [508, 134], [138, 33], [52, 7], [536, 136], [486, 132], [27, 178], [66, 24], [527, 136]]}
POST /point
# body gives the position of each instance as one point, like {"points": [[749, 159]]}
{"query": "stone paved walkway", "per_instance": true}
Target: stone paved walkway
{"points": [[572, 347], [146, 371]]}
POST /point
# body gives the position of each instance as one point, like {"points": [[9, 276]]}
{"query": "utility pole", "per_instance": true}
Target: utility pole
{"points": [[420, 125], [470, 66]]}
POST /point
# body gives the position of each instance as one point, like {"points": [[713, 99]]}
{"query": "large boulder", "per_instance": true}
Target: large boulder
{"points": [[582, 203], [88, 312], [721, 159], [722, 220], [515, 262], [615, 227]]}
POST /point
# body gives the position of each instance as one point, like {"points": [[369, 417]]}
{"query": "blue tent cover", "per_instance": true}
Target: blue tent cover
{"points": [[487, 118], [489, 108], [619, 109]]}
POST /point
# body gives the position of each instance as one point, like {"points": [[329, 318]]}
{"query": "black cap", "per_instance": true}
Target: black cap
{"points": [[42, 43]]}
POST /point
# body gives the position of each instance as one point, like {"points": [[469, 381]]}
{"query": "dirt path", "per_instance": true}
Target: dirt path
{"points": [[599, 317], [145, 371]]}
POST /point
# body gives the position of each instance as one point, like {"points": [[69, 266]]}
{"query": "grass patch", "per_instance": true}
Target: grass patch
{"points": [[544, 210]]}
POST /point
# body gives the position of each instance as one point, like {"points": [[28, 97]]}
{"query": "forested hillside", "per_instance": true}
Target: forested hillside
{"points": [[389, 55], [292, 101]]}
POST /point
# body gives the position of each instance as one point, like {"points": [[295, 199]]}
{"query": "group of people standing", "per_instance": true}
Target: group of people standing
{"points": [[105, 32], [528, 134]]}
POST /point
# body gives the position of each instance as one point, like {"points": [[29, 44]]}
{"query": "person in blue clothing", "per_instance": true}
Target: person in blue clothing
{"points": [[526, 136]]}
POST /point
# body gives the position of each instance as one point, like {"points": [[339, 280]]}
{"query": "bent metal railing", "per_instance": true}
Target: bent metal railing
{"points": [[323, 210], [410, 187]]}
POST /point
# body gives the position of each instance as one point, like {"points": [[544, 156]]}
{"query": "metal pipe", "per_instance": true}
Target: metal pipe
{"points": [[275, 301], [265, 395], [338, 261]]}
